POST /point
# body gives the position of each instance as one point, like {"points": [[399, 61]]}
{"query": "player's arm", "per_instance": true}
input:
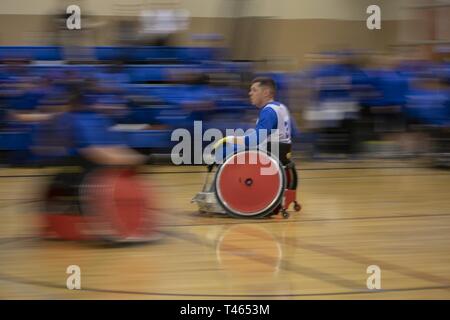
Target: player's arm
{"points": [[267, 122], [115, 155], [100, 145]]}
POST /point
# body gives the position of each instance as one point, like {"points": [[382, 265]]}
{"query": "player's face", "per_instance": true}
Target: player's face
{"points": [[256, 95]]}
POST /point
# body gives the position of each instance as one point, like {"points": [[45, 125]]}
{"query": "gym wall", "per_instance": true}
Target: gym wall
{"points": [[275, 30]]}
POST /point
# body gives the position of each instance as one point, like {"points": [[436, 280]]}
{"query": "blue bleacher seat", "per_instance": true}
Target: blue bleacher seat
{"points": [[15, 140], [147, 103], [148, 138], [429, 107], [48, 53]]}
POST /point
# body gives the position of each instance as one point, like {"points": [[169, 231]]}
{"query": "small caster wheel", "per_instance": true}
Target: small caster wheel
{"points": [[297, 206], [285, 214]]}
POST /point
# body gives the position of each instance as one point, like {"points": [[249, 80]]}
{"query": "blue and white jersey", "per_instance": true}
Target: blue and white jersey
{"points": [[273, 116], [283, 122]]}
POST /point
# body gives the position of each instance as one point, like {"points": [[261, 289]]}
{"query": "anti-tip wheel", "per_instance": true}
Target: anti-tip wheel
{"points": [[297, 206]]}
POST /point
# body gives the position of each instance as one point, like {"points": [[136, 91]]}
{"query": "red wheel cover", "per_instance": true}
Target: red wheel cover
{"points": [[118, 205], [241, 186]]}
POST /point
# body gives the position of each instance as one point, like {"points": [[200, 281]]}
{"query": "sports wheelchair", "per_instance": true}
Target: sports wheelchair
{"points": [[105, 204], [249, 184]]}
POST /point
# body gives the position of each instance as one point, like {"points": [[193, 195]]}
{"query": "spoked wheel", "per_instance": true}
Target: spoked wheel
{"points": [[250, 184]]}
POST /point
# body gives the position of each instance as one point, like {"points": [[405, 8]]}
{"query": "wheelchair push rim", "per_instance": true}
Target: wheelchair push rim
{"points": [[246, 188]]}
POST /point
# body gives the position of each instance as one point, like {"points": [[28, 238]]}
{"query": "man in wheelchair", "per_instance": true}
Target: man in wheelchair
{"points": [[274, 123], [242, 189], [97, 195]]}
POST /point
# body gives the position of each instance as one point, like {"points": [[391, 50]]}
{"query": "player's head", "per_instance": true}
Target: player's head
{"points": [[262, 91]]}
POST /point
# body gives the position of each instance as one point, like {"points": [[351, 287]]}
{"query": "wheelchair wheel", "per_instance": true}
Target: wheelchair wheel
{"points": [[104, 204], [62, 215], [291, 177], [116, 207], [250, 184]]}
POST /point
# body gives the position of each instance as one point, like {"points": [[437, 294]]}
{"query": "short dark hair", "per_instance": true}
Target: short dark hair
{"points": [[266, 82]]}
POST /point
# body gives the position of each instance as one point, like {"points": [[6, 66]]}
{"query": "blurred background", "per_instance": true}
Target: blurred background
{"points": [[372, 118], [154, 65]]}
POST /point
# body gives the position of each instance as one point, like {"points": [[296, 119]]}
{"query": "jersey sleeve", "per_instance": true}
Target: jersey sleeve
{"points": [[267, 121], [95, 131]]}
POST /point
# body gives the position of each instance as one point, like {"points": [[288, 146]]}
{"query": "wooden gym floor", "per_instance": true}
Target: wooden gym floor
{"points": [[393, 214]]}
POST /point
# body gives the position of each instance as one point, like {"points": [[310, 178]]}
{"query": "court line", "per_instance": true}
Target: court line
{"points": [[20, 203], [4, 241], [376, 176], [287, 295], [204, 171], [348, 256], [27, 176], [23, 199], [318, 178], [298, 170], [273, 221]]}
